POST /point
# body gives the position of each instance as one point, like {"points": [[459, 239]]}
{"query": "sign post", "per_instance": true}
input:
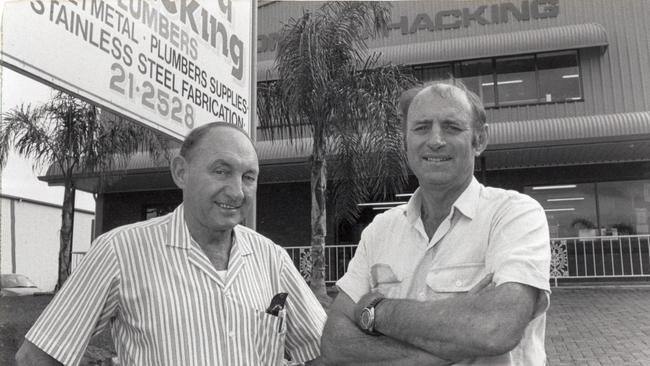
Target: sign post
{"points": [[171, 65]]}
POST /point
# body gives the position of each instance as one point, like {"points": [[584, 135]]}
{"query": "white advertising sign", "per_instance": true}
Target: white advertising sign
{"points": [[170, 64]]}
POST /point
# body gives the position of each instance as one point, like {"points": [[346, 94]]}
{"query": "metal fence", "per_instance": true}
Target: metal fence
{"points": [[603, 257], [337, 258], [600, 257]]}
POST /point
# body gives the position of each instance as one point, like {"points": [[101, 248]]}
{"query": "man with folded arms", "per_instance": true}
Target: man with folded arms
{"points": [[458, 275]]}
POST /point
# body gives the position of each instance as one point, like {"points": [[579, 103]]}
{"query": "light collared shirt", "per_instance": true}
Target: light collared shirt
{"points": [[167, 305], [489, 230]]}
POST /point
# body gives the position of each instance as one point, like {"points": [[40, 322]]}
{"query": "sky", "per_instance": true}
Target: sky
{"points": [[18, 176]]}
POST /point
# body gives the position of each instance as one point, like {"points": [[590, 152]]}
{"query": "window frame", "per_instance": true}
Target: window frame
{"points": [[602, 220], [453, 66]]}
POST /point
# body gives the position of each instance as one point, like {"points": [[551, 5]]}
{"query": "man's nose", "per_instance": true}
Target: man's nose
{"points": [[235, 188], [436, 138]]}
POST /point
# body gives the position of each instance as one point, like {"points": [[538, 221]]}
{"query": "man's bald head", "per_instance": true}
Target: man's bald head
{"points": [[196, 135]]}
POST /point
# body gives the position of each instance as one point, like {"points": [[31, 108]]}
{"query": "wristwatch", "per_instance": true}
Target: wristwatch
{"points": [[367, 317]]}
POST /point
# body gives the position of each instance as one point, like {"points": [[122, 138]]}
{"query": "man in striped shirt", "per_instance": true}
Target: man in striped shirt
{"points": [[191, 287]]}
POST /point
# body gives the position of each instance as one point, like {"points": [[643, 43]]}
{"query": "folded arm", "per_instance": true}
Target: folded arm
{"points": [[486, 323], [343, 343]]}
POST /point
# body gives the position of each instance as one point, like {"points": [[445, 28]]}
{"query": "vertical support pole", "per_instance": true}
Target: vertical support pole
{"points": [[251, 217], [483, 170], [12, 227]]}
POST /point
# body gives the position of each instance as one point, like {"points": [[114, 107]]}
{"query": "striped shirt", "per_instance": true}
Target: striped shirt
{"points": [[167, 305]]}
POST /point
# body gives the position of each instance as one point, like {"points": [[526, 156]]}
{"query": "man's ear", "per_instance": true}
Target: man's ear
{"points": [[178, 169], [480, 140]]}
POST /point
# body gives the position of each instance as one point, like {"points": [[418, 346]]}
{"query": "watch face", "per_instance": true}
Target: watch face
{"points": [[365, 319]]}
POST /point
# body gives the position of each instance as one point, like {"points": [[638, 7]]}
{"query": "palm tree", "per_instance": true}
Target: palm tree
{"points": [[330, 90], [74, 137]]}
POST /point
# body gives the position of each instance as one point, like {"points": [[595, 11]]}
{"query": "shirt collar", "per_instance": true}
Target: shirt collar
{"points": [[466, 203], [238, 241], [413, 207], [179, 236]]}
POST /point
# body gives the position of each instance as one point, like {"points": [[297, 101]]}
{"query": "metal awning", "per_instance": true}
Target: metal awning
{"points": [[584, 140], [568, 155], [599, 139], [490, 45], [511, 135], [569, 130]]}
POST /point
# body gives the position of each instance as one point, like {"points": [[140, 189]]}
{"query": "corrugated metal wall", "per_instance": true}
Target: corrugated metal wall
{"points": [[614, 81]]}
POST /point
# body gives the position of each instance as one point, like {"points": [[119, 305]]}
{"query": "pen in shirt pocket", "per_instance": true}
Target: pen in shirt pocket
{"points": [[276, 308], [282, 324]]}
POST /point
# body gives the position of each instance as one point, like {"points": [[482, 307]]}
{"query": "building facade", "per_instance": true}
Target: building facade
{"points": [[29, 238], [566, 84]]}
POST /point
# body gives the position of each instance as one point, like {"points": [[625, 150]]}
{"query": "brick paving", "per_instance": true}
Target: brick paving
{"points": [[593, 326], [603, 326]]}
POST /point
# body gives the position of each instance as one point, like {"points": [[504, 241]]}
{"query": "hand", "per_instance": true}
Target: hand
{"points": [[485, 284], [362, 304]]}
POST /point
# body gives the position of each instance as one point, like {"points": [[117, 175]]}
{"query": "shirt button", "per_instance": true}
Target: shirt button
{"points": [[459, 283], [422, 296], [231, 334]]}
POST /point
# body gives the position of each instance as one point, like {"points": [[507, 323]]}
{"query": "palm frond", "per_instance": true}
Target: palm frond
{"points": [[27, 131], [379, 165], [69, 132], [331, 89]]}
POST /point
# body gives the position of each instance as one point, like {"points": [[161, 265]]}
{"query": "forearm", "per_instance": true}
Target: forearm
{"points": [[343, 343], [467, 326], [463, 339]]}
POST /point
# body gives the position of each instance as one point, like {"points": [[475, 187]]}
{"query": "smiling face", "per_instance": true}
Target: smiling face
{"points": [[219, 180], [440, 138]]}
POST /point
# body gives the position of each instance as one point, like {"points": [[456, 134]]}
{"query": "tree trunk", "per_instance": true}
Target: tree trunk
{"points": [[318, 222], [67, 225]]}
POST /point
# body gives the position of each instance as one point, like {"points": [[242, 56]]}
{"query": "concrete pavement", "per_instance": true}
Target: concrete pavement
{"points": [[599, 326]]}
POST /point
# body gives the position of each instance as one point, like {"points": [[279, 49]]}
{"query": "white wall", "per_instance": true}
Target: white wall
{"points": [[37, 229]]}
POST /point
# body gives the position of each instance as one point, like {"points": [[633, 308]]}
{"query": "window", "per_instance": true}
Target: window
{"points": [[479, 78], [559, 76], [624, 207], [595, 209], [504, 81], [432, 72], [516, 80], [570, 209]]}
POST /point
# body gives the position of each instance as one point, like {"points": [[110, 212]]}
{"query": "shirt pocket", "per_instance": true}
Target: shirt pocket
{"points": [[456, 278], [270, 337], [385, 281]]}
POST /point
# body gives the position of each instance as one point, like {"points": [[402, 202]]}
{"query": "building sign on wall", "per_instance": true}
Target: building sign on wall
{"points": [[172, 65], [460, 17], [480, 15]]}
